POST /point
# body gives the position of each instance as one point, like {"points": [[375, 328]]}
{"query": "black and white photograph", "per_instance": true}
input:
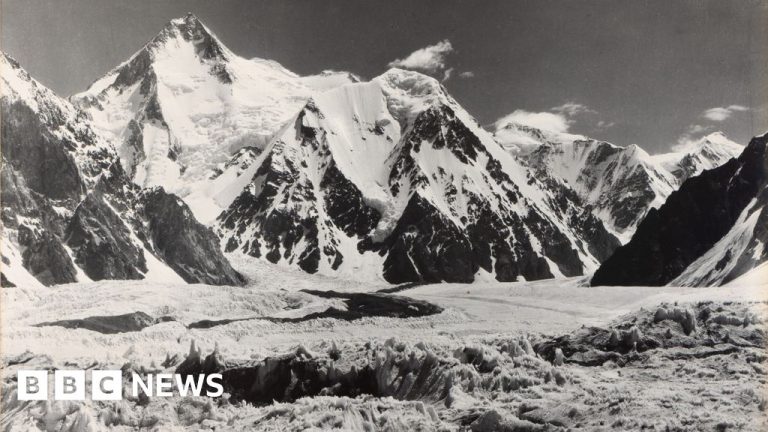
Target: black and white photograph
{"points": [[361, 215]]}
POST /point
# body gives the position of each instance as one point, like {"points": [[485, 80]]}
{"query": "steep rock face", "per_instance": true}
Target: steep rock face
{"points": [[43, 160], [31, 228], [49, 158], [706, 233], [44, 256], [181, 106], [102, 243], [393, 179], [620, 184], [69, 209], [411, 256], [188, 247]]}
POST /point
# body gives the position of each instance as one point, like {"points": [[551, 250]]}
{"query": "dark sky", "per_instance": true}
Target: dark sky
{"points": [[647, 69]]}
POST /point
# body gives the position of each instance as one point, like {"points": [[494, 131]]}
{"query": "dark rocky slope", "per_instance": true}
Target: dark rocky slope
{"points": [[190, 248]]}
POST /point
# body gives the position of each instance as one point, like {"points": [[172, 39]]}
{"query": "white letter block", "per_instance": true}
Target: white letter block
{"points": [[107, 385], [69, 385], [33, 384]]}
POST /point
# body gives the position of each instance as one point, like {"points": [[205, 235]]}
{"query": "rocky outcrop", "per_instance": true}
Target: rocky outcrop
{"points": [[45, 162], [187, 246], [108, 324], [44, 256], [697, 223], [29, 221], [102, 243]]}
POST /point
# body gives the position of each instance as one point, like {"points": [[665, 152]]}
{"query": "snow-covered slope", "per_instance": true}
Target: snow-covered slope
{"points": [[181, 106], [392, 178], [755, 277], [709, 232], [620, 183], [70, 213]]}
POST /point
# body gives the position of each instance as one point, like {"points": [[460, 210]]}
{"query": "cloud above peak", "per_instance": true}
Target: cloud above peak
{"points": [[695, 132], [428, 59], [546, 121], [558, 119], [719, 114], [572, 109]]}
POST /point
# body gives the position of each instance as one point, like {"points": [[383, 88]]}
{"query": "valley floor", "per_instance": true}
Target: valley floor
{"points": [[488, 357]]}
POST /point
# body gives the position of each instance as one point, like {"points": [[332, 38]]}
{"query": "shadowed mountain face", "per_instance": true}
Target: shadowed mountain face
{"points": [[708, 232], [71, 214]]}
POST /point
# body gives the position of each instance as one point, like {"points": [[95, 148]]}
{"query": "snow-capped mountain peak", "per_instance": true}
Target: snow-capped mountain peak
{"points": [[18, 86], [618, 183], [521, 139], [184, 104], [179, 37], [190, 29], [698, 155], [23, 96], [709, 232], [409, 93]]}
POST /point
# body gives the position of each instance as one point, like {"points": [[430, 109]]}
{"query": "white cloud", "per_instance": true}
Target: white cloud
{"points": [[719, 114], [547, 121], [572, 109], [695, 132], [447, 74], [684, 143], [558, 119], [467, 74], [696, 129], [602, 124], [429, 59]]}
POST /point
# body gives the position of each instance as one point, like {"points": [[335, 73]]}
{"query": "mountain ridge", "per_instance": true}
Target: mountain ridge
{"points": [[387, 179], [620, 183], [393, 177]]}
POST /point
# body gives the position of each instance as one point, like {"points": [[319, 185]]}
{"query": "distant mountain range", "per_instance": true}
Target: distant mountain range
{"points": [[620, 184], [186, 152]]}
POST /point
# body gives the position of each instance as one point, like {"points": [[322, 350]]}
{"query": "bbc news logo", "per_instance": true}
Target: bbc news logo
{"points": [[108, 385]]}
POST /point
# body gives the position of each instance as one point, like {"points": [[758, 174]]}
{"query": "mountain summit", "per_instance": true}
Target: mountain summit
{"points": [[181, 106]]}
